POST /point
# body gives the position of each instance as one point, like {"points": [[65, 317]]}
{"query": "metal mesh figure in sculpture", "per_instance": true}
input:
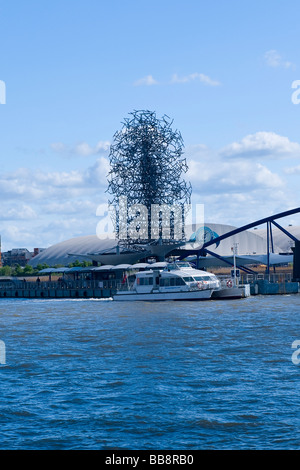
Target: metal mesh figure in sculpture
{"points": [[146, 161]]}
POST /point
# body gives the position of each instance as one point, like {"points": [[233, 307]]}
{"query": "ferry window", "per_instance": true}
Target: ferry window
{"points": [[141, 281], [179, 281], [167, 282], [172, 281], [202, 278], [150, 281], [188, 279], [172, 266], [161, 282]]}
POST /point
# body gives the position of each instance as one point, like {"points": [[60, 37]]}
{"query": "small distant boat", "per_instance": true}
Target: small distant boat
{"points": [[176, 281]]}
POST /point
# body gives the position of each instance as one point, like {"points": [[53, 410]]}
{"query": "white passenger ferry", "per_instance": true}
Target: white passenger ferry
{"points": [[177, 281]]}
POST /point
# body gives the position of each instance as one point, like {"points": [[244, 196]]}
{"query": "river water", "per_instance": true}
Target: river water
{"points": [[98, 374]]}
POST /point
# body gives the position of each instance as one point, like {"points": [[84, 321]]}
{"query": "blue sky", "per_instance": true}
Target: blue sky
{"points": [[74, 70]]}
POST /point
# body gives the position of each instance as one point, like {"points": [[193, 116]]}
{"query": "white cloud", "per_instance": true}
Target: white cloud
{"points": [[295, 170], [59, 147], [274, 59], [262, 144], [41, 207], [198, 77], [19, 185], [56, 179], [17, 236], [70, 207], [235, 191], [96, 175], [146, 81], [17, 212], [231, 177], [85, 149], [82, 149], [38, 185], [193, 77]]}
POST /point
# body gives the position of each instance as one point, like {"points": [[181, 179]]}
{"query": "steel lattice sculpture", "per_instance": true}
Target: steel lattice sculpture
{"points": [[147, 163]]}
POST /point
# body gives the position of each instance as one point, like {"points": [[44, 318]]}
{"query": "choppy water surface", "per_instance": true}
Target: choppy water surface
{"points": [[88, 374]]}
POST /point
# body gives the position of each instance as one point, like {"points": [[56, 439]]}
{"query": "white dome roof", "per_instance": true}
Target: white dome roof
{"points": [[67, 251], [80, 248], [280, 239]]}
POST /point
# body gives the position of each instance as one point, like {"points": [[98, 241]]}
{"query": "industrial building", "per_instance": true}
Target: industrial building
{"points": [[19, 256], [16, 256]]}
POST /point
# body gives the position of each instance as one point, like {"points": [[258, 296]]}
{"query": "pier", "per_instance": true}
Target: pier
{"points": [[84, 288], [56, 289]]}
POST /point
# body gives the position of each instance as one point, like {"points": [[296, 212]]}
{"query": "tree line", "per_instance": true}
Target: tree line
{"points": [[17, 270]]}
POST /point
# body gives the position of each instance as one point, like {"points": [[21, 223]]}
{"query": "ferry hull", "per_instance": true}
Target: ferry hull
{"points": [[239, 292], [160, 296]]}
